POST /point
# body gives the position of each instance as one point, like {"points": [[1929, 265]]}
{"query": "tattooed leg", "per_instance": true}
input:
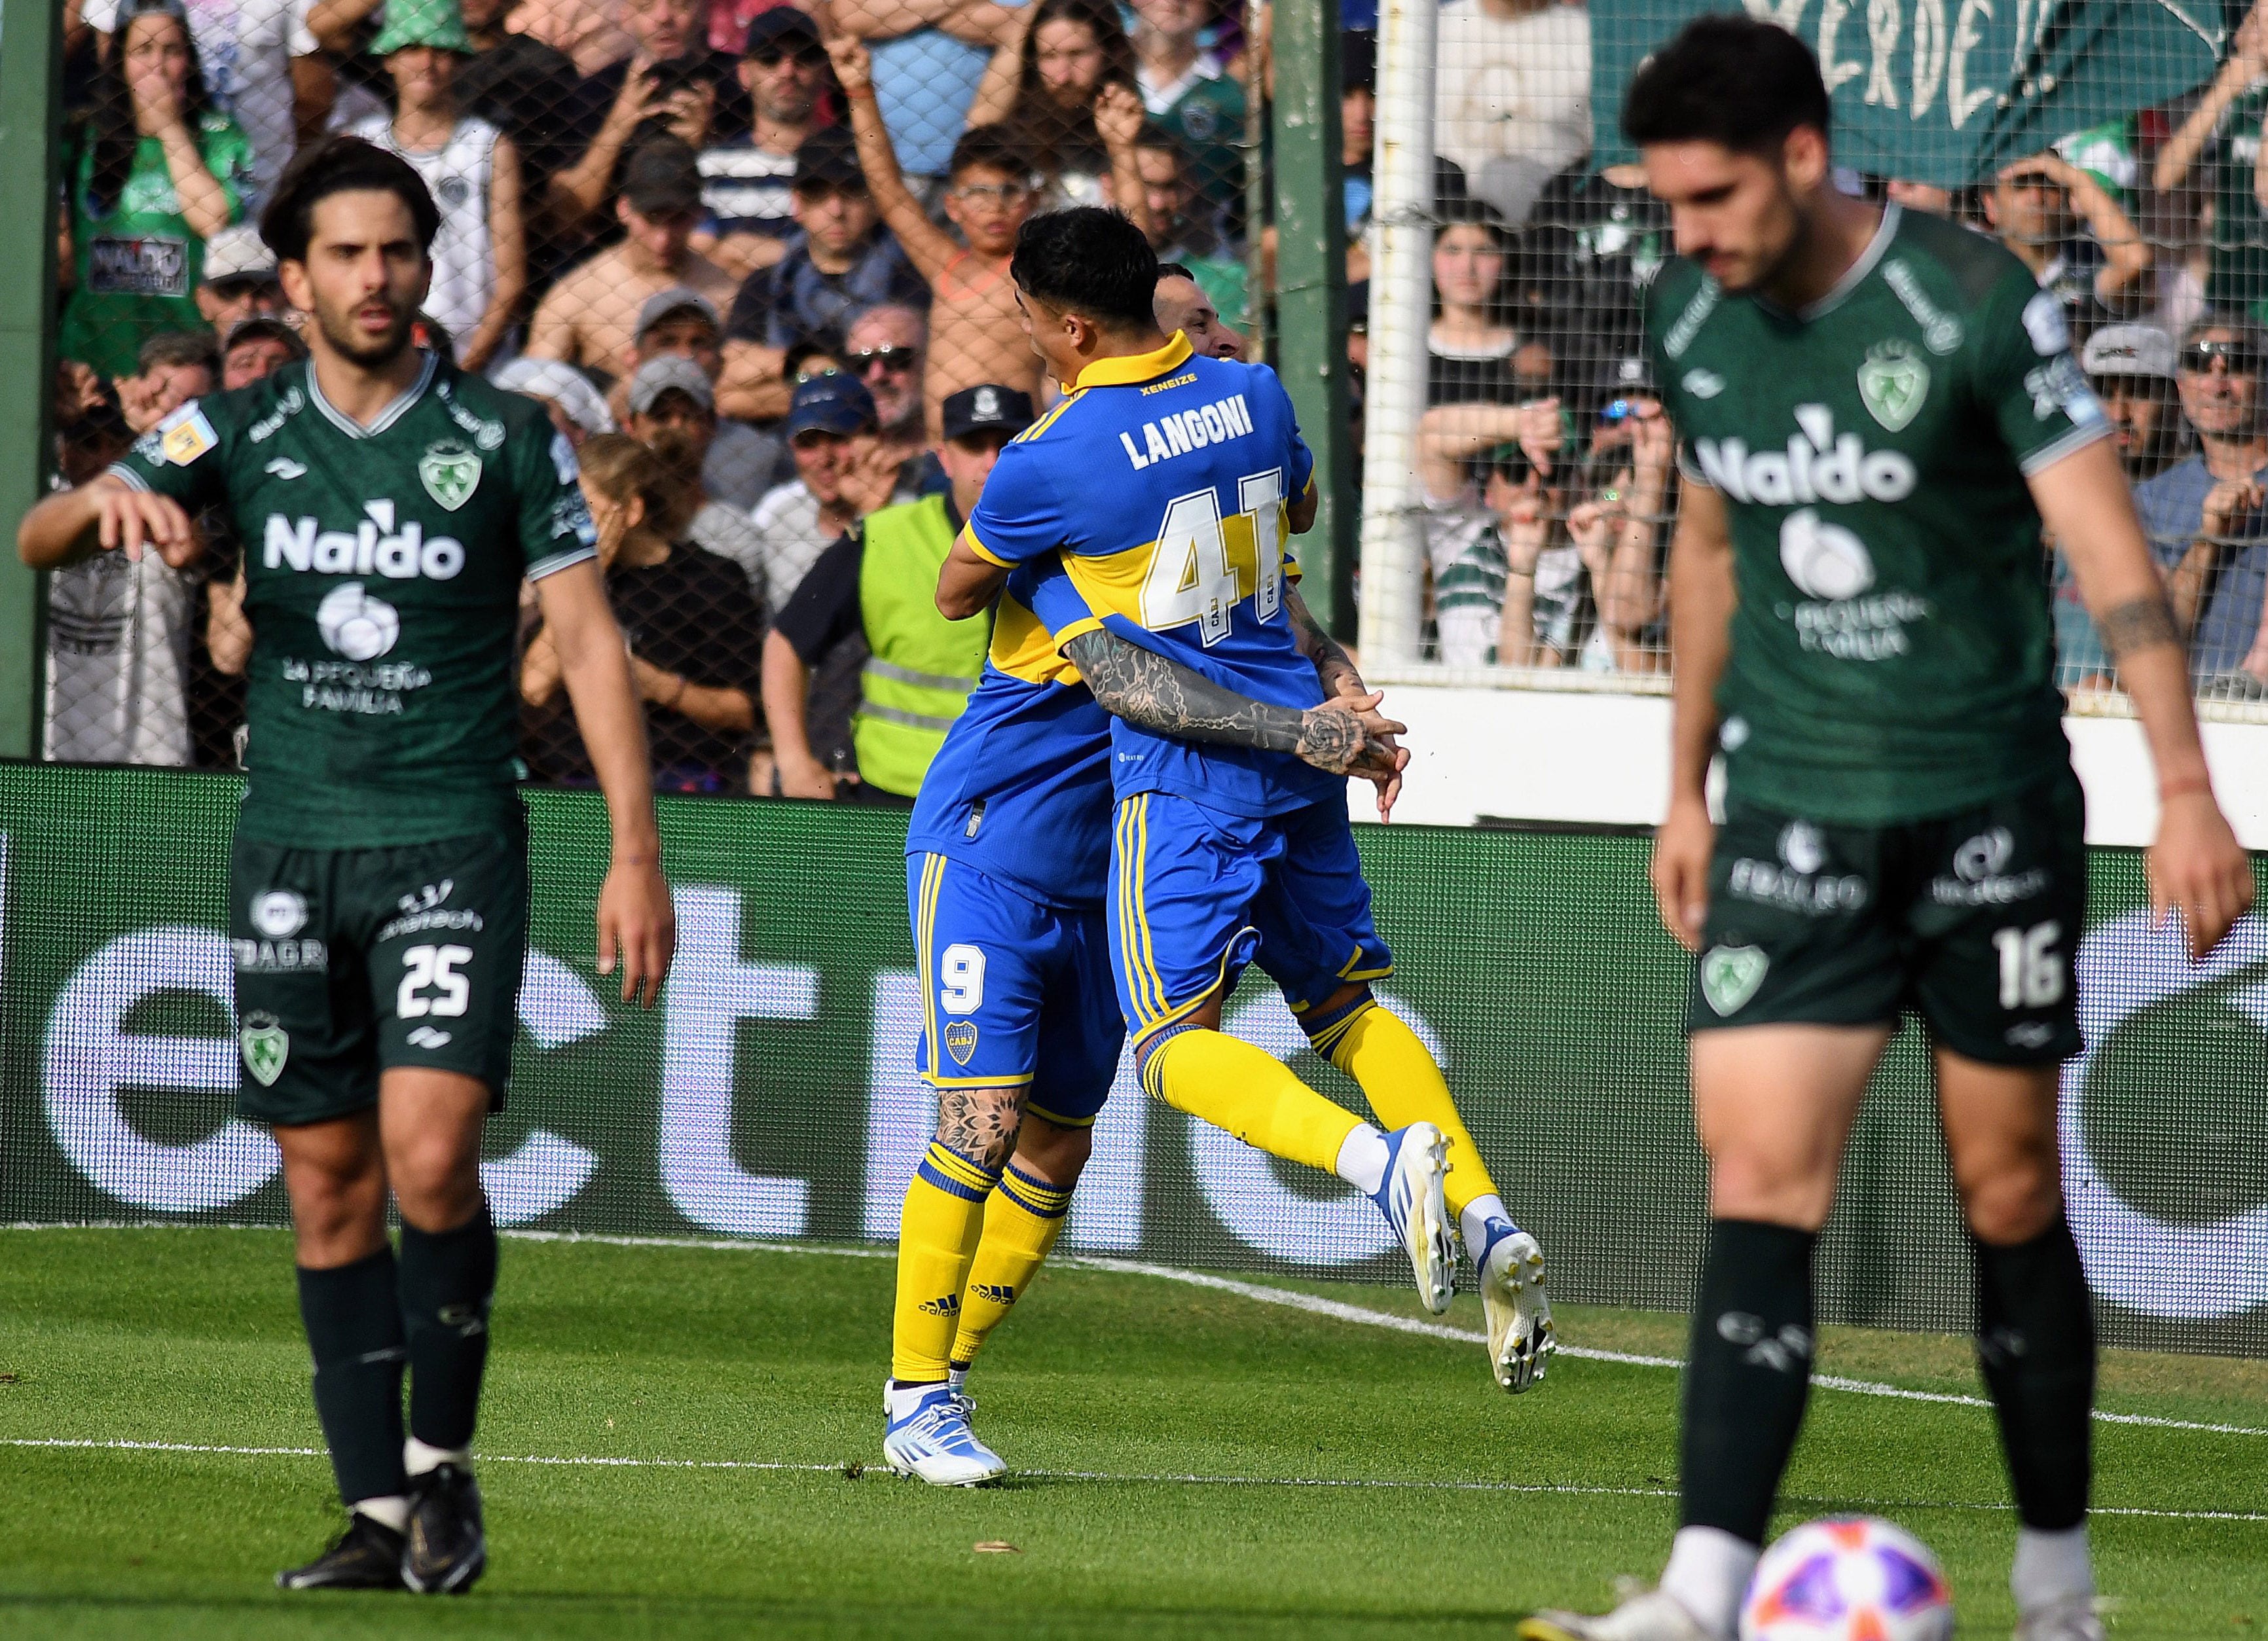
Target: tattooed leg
{"points": [[980, 1123]]}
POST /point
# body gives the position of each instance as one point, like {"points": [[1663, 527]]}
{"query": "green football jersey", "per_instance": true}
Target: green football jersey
{"points": [[382, 574], [1892, 655]]}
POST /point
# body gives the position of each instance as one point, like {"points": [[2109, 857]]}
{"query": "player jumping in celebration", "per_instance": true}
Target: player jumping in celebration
{"points": [[1878, 410], [390, 509], [1169, 483], [1007, 868]]}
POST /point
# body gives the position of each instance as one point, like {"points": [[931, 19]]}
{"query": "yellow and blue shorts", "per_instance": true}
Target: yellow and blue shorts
{"points": [[1018, 991], [1197, 894]]}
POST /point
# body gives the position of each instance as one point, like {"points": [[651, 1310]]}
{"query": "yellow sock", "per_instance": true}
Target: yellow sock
{"points": [[1021, 1223], [936, 1239], [1403, 1086], [1249, 1092]]}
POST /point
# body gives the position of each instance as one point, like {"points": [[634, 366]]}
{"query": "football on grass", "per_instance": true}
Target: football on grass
{"points": [[1847, 1578]]}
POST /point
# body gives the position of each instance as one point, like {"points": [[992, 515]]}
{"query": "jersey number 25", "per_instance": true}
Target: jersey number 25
{"points": [[1191, 577]]}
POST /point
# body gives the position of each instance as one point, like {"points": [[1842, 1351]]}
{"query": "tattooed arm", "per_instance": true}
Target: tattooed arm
{"points": [[1344, 736], [2196, 864], [1332, 663]]}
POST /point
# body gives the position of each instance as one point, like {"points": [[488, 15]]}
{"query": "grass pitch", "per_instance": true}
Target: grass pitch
{"points": [[1455, 1508]]}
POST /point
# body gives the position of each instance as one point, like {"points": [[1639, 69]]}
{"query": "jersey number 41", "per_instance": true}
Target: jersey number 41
{"points": [[1193, 576]]}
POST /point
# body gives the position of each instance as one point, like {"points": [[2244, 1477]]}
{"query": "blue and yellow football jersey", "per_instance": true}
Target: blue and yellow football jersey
{"points": [[1021, 787], [1163, 479]]}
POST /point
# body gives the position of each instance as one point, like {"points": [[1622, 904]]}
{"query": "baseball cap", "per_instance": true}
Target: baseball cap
{"points": [[1359, 61], [835, 404], [677, 300], [663, 178], [264, 325], [1629, 374], [238, 253], [670, 373], [829, 156], [2129, 350], [440, 23], [561, 383], [782, 25], [986, 408]]}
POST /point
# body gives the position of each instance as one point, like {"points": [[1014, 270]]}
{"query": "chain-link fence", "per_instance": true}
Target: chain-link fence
{"points": [[1521, 484], [768, 244]]}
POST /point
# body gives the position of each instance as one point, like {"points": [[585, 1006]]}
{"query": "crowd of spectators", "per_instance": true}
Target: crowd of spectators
{"points": [[752, 256]]}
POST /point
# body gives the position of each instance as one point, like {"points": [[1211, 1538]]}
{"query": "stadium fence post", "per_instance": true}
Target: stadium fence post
{"points": [[1401, 310], [1256, 161], [30, 101], [1311, 288]]}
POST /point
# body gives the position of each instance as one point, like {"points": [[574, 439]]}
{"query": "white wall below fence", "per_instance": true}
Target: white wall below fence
{"points": [[1591, 756]]}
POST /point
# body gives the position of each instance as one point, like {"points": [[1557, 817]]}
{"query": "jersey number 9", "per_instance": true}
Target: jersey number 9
{"points": [[1191, 579]]}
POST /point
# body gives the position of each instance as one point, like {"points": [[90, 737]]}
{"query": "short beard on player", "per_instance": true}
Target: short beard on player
{"points": [[338, 332]]}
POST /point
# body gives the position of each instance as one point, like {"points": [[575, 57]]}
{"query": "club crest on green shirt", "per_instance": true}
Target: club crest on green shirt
{"points": [[1893, 382], [266, 1047], [450, 473], [1730, 975]]}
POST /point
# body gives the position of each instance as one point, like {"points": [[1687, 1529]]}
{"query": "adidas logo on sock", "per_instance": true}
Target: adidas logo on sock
{"points": [[997, 1293], [948, 1306]]}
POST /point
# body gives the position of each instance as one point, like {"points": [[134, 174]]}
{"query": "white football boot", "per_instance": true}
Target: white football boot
{"points": [[2073, 1619], [929, 1439], [1652, 1616], [1510, 1269], [1416, 1165]]}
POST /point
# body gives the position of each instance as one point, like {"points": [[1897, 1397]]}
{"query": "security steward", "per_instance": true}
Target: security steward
{"points": [[880, 580]]}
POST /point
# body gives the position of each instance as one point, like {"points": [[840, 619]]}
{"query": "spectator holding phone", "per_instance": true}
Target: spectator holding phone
{"points": [[160, 173], [472, 170]]}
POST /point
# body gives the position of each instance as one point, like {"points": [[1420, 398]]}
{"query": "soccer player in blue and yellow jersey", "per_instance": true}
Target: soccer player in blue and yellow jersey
{"points": [[1008, 867], [1168, 484]]}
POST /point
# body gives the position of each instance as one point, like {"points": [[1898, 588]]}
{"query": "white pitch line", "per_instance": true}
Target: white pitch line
{"points": [[1166, 1478], [1289, 1299]]}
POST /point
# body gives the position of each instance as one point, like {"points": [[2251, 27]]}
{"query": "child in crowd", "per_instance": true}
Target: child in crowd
{"points": [[480, 260], [975, 335]]}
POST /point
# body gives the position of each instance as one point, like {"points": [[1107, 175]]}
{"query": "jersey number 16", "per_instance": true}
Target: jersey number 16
{"points": [[1190, 578]]}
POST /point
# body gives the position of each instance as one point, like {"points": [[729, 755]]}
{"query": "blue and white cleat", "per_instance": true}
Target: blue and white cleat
{"points": [[929, 1437], [1417, 1164], [1510, 1269]]}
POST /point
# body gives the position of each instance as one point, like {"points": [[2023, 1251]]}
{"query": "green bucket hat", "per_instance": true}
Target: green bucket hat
{"points": [[440, 23]]}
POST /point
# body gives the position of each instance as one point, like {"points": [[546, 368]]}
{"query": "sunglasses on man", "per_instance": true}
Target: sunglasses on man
{"points": [[772, 56], [893, 359], [2237, 357]]}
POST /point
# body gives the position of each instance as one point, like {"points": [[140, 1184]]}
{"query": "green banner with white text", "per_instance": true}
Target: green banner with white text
{"points": [[772, 1094], [1946, 92]]}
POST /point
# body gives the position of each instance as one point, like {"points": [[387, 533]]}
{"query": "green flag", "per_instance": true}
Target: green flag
{"points": [[1946, 92]]}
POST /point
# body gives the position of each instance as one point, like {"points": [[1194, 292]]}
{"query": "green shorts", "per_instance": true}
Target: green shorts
{"points": [[352, 962], [1972, 920]]}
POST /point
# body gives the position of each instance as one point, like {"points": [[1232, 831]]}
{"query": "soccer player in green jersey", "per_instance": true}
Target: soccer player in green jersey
{"points": [[390, 510], [1877, 412]]}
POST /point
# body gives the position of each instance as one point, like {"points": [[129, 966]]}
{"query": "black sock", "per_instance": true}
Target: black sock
{"points": [[1749, 1374], [2036, 1346], [447, 1280], [353, 1319]]}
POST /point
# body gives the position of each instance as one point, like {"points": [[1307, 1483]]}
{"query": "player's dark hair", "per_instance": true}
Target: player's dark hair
{"points": [[172, 349], [341, 165], [1090, 262], [1176, 270], [987, 148], [1730, 79]]}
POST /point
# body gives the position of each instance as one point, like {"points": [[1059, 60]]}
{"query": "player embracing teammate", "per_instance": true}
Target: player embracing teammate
{"points": [[391, 508], [1877, 412], [1140, 532]]}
